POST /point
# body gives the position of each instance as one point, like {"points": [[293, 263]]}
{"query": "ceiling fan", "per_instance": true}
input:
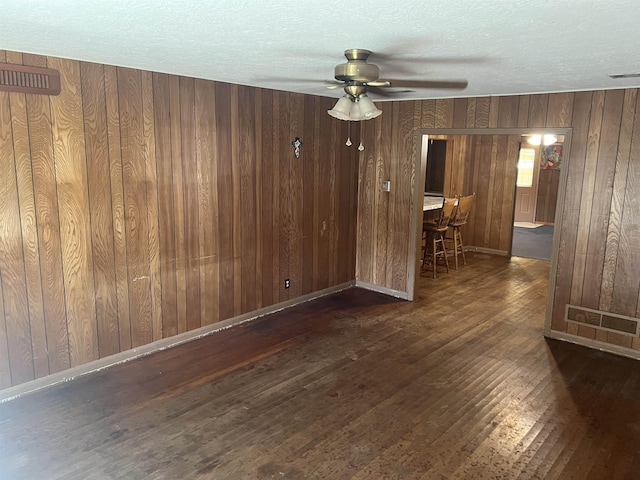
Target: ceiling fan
{"points": [[358, 77]]}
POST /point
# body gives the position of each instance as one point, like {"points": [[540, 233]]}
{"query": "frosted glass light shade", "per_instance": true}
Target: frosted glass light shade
{"points": [[354, 114], [342, 109], [367, 109], [354, 109]]}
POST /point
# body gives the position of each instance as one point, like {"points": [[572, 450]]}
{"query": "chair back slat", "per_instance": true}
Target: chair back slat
{"points": [[462, 211], [446, 212]]}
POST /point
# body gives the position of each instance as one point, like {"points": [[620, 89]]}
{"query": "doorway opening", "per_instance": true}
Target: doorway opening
{"points": [[537, 186], [479, 170]]}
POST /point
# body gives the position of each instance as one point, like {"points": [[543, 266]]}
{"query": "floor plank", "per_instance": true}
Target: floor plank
{"points": [[458, 384]]}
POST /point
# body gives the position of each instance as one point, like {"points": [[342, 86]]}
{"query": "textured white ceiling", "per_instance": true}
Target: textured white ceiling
{"points": [[500, 47]]}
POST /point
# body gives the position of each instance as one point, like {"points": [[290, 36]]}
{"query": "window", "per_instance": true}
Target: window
{"points": [[526, 164]]}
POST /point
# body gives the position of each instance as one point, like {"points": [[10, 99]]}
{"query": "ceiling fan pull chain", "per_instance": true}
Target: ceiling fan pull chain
{"points": [[361, 146], [349, 143]]}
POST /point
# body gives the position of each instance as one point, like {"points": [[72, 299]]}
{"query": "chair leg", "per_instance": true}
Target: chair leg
{"points": [[461, 246], [435, 255], [425, 244], [444, 252], [455, 246]]}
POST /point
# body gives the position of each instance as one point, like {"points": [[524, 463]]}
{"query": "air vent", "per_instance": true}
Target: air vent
{"points": [[617, 76], [610, 322], [26, 79]]}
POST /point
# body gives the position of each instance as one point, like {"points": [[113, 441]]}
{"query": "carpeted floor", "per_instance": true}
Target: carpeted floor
{"points": [[533, 242]]}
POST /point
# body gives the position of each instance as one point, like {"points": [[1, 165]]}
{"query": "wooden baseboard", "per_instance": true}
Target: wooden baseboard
{"points": [[387, 291], [594, 344], [489, 251], [159, 345]]}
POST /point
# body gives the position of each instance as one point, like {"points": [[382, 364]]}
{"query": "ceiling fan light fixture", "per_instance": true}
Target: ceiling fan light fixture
{"points": [[342, 109], [354, 109], [367, 108], [546, 139], [355, 114], [535, 139]]}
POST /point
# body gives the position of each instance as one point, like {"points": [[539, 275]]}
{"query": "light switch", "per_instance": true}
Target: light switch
{"points": [[386, 186]]}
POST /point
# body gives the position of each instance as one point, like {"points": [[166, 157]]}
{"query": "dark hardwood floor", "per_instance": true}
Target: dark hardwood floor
{"points": [[458, 384]]}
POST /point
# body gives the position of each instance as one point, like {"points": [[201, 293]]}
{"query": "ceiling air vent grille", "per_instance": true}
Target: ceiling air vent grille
{"points": [[26, 79]]}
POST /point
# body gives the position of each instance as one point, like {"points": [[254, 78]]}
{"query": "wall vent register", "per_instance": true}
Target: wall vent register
{"points": [[600, 320], [27, 79]]}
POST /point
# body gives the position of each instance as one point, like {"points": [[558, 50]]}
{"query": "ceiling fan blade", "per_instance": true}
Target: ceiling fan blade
{"points": [[379, 83], [297, 80], [385, 92], [334, 83], [450, 84]]}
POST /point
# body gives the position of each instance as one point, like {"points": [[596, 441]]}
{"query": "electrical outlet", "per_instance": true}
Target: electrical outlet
{"points": [[287, 283], [386, 186]]}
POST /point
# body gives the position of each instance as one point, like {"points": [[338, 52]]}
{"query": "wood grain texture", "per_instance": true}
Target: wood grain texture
{"points": [[625, 296], [267, 213], [309, 193], [560, 109], [135, 202], [149, 152], [73, 206], [508, 111], [28, 221], [224, 179], [117, 205], [5, 362], [247, 184], [14, 283], [97, 152], [600, 210], [383, 171], [30, 238], [366, 203], [191, 194], [166, 206], [283, 195], [207, 260], [572, 201], [538, 106], [296, 125], [547, 197], [48, 224], [236, 202], [178, 201], [523, 111]]}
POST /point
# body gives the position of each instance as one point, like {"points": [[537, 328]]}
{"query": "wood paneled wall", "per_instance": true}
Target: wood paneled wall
{"points": [[138, 205], [486, 165], [599, 243], [547, 197]]}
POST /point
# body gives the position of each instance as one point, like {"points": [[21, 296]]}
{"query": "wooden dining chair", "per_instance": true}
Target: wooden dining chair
{"points": [[433, 236], [457, 221]]}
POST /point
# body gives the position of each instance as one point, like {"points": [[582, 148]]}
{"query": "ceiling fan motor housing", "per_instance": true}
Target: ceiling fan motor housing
{"points": [[357, 69]]}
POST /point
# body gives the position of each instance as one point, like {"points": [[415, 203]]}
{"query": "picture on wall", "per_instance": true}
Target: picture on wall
{"points": [[551, 157]]}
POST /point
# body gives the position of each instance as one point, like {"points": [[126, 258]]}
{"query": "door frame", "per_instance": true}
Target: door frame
{"points": [[415, 231]]}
